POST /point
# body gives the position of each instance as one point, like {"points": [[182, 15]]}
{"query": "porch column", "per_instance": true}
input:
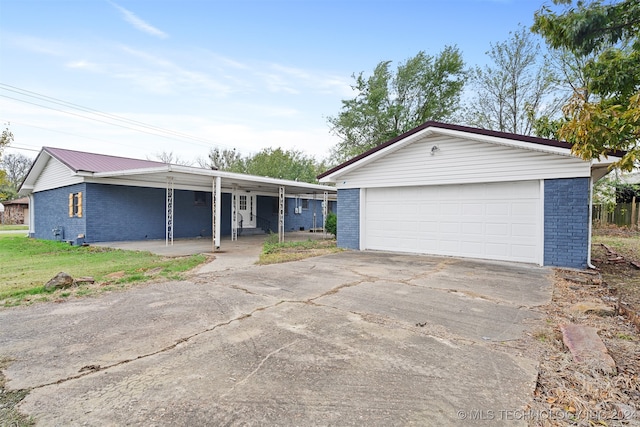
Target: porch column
{"points": [[169, 212], [281, 201], [216, 204], [325, 211], [234, 213]]}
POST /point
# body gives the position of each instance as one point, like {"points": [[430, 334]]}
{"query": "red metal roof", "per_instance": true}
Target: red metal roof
{"points": [[91, 162]]}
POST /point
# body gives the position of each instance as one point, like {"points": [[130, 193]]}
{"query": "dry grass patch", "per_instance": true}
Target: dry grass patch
{"points": [[274, 252]]}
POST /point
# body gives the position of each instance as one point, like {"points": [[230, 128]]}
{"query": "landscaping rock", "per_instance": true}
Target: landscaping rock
{"points": [[60, 281], [84, 280], [592, 307], [586, 347]]}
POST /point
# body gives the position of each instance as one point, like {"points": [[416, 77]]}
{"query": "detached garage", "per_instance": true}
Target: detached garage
{"points": [[451, 190]]}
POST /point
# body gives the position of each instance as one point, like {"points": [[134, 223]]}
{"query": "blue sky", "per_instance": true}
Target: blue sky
{"points": [[243, 74]]}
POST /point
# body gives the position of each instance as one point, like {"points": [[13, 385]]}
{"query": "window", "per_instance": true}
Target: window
{"points": [[242, 203], [305, 204], [199, 198], [75, 205]]}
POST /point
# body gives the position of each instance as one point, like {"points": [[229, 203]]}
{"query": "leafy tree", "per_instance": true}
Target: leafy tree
{"points": [[610, 120], [515, 89], [224, 160], [388, 104], [7, 191], [274, 163], [277, 163], [15, 167]]}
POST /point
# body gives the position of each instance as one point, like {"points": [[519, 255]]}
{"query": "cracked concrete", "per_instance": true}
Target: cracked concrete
{"points": [[351, 338]]}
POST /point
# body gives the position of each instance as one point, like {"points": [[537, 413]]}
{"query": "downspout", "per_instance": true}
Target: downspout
{"points": [[590, 224]]}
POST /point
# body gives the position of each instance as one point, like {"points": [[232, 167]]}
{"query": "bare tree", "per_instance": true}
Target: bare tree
{"points": [[16, 167], [170, 158], [515, 89]]}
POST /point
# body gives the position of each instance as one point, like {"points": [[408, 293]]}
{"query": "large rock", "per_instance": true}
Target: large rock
{"points": [[60, 281]]}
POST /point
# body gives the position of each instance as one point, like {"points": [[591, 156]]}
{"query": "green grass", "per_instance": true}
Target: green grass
{"points": [[27, 264], [13, 227]]}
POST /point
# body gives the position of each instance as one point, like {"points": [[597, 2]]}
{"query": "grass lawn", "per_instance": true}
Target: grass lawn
{"points": [[27, 264], [13, 227]]}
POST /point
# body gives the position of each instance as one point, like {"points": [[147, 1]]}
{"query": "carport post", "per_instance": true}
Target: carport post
{"points": [[169, 212], [325, 210], [215, 212], [281, 201], [234, 213]]}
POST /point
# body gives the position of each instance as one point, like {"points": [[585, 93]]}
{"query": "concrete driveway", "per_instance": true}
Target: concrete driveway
{"points": [[346, 339]]}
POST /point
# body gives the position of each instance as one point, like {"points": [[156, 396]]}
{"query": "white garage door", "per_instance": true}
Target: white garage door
{"points": [[493, 221]]}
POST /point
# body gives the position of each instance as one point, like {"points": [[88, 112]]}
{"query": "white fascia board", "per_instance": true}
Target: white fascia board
{"points": [[176, 170], [34, 172], [273, 181], [161, 169], [381, 153]]}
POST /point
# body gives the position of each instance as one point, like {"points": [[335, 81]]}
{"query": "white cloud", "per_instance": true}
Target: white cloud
{"points": [[139, 24], [83, 65]]}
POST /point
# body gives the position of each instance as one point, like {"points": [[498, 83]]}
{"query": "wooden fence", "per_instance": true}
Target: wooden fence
{"points": [[624, 214]]}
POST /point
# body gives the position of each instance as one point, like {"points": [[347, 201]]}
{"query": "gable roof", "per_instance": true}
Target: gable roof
{"points": [[551, 145], [91, 162]]}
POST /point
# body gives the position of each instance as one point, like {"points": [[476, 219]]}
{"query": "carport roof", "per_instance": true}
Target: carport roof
{"points": [[104, 168]]}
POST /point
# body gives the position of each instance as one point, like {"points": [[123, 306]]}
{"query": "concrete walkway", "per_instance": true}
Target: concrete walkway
{"points": [[232, 254], [353, 338]]}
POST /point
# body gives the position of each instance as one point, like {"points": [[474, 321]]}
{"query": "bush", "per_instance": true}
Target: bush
{"points": [[331, 223]]}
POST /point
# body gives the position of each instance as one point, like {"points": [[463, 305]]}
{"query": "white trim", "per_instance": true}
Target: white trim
{"points": [[363, 217], [541, 219], [434, 130], [590, 224], [370, 158]]}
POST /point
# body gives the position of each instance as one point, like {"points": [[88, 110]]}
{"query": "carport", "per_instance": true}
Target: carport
{"points": [[174, 177], [88, 197]]}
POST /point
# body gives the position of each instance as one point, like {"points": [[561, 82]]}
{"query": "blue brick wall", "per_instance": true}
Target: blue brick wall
{"points": [[115, 212], [267, 208], [566, 222], [349, 218], [51, 209]]}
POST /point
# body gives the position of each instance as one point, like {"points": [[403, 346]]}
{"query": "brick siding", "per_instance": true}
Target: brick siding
{"points": [[566, 222], [349, 218]]}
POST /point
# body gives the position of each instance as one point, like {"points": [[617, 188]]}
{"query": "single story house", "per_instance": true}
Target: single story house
{"points": [[16, 211], [88, 197], [454, 190]]}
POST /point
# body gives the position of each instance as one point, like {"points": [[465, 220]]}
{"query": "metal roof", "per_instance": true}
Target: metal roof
{"points": [[91, 162], [107, 169]]}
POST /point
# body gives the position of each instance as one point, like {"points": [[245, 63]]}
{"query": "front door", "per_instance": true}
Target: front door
{"points": [[246, 210]]}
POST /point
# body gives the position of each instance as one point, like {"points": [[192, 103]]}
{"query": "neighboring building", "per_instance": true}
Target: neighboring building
{"points": [[99, 198], [453, 190], [16, 211]]}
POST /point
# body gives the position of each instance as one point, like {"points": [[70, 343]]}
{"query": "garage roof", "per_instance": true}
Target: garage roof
{"points": [[433, 127]]}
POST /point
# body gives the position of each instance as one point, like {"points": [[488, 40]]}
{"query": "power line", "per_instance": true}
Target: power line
{"points": [[157, 131]]}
